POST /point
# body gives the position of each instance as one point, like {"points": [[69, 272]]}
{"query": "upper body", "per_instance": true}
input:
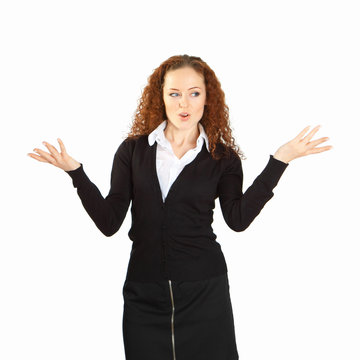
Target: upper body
{"points": [[171, 224]]}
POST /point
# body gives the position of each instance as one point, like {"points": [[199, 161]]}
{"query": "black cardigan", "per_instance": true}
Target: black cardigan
{"points": [[174, 239]]}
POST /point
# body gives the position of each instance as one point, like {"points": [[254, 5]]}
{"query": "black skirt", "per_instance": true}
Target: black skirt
{"points": [[179, 320]]}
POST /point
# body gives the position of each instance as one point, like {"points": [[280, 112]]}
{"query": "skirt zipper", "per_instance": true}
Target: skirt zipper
{"points": [[172, 320]]}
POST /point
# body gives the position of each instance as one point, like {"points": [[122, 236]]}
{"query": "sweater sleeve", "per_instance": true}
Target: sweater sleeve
{"points": [[240, 209], [107, 213]]}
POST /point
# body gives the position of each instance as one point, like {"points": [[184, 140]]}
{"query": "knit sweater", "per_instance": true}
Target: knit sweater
{"points": [[174, 239]]}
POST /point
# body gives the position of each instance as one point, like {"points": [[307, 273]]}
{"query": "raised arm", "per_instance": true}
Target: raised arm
{"points": [[240, 209], [107, 213]]}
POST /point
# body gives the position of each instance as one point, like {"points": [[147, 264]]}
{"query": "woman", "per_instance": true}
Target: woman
{"points": [[177, 159]]}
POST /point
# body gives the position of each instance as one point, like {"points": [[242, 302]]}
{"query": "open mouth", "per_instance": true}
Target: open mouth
{"points": [[184, 115]]}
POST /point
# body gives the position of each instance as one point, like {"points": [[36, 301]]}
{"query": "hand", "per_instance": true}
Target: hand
{"points": [[61, 160], [300, 146]]}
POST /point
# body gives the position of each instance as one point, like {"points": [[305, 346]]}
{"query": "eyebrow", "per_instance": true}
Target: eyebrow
{"points": [[188, 89]]}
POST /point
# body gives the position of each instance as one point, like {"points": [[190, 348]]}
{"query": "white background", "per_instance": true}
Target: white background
{"points": [[75, 70]]}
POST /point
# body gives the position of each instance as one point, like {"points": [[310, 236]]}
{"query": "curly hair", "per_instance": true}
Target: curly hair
{"points": [[150, 111]]}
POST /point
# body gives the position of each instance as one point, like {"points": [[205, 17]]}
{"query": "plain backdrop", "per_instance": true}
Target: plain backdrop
{"points": [[76, 69]]}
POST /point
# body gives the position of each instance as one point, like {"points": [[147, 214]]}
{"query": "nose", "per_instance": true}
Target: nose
{"points": [[183, 102]]}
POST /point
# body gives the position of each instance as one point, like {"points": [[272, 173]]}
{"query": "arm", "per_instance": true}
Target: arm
{"points": [[239, 210], [107, 213]]}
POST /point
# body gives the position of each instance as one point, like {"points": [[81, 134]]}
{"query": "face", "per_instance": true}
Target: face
{"points": [[184, 92]]}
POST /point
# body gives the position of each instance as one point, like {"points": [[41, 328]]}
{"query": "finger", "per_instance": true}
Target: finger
{"points": [[62, 146], [46, 156], [320, 149], [52, 150], [37, 157], [318, 141], [308, 137], [302, 133]]}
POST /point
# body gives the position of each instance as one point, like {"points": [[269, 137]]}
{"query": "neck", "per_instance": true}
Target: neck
{"points": [[180, 137]]}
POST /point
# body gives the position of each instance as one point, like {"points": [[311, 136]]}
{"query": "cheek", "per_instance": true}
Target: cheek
{"points": [[200, 105], [167, 104], [170, 105]]}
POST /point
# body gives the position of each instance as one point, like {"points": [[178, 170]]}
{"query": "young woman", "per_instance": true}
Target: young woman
{"points": [[177, 159]]}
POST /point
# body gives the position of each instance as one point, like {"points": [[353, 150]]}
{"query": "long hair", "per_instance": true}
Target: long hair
{"points": [[150, 111]]}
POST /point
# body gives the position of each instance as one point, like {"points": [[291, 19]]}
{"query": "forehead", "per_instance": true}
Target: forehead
{"points": [[183, 78]]}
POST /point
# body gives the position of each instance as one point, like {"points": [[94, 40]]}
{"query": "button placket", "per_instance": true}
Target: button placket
{"points": [[163, 241]]}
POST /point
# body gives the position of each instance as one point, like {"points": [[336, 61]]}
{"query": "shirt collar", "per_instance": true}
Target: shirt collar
{"points": [[159, 136]]}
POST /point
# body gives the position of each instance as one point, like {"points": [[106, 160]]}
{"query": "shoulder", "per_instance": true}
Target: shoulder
{"points": [[230, 161], [129, 143], [127, 146], [226, 153]]}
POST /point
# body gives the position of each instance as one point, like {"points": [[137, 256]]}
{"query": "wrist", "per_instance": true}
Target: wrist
{"points": [[280, 157]]}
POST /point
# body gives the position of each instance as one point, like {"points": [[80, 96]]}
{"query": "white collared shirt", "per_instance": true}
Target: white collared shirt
{"points": [[168, 165]]}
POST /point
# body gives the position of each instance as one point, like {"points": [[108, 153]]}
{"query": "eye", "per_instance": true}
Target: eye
{"points": [[195, 92]]}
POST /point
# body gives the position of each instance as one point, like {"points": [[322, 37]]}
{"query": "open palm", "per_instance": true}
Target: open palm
{"points": [[301, 146], [61, 159]]}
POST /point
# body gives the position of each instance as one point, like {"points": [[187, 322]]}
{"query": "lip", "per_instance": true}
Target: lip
{"points": [[184, 118]]}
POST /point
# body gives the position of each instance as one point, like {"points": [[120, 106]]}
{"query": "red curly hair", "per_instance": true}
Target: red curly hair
{"points": [[215, 120]]}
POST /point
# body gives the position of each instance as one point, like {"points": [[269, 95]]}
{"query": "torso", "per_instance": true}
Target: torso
{"points": [[181, 150]]}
